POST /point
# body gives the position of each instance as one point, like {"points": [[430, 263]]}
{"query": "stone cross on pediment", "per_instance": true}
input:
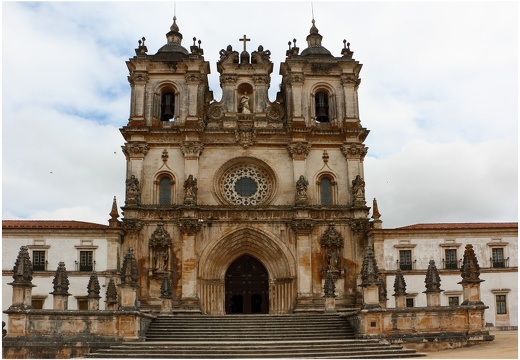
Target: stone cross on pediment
{"points": [[244, 39]]}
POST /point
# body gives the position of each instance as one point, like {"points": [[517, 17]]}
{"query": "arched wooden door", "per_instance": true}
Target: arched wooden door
{"points": [[247, 287]]}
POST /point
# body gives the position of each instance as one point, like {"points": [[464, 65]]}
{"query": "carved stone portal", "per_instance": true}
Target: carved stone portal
{"points": [[159, 246]]}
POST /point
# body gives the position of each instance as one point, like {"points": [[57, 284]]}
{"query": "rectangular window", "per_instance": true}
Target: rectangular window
{"points": [[501, 304], [450, 258], [453, 301], [85, 261], [409, 302], [82, 304], [405, 259], [37, 303], [38, 260], [498, 257]]}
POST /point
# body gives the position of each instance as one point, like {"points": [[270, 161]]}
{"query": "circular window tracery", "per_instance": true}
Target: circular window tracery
{"points": [[246, 184]]}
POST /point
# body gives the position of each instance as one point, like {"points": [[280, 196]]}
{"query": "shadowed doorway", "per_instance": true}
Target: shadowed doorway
{"points": [[247, 287]]}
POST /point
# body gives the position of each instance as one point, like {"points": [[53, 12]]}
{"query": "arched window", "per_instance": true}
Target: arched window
{"points": [[322, 107], [165, 189], [325, 191], [167, 106]]}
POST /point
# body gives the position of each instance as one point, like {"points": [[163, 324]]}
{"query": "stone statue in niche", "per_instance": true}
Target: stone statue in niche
{"points": [[358, 191], [133, 191], [190, 191], [159, 246], [160, 260], [301, 190], [243, 106], [332, 243]]}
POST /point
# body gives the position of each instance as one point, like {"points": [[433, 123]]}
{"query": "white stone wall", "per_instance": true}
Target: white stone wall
{"points": [[428, 247], [60, 248]]}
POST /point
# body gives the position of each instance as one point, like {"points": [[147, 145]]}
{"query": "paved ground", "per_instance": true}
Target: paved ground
{"points": [[505, 346]]}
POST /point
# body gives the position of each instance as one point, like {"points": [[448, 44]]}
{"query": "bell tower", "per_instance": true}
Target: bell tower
{"points": [[320, 89]]}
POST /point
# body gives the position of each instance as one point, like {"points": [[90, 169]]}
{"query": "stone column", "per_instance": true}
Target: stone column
{"points": [[93, 292], [433, 285], [61, 288], [302, 229], [399, 290], [370, 280], [111, 296], [129, 278], [189, 301], [470, 272], [22, 284]]}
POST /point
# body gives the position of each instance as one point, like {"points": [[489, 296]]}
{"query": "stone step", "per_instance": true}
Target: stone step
{"points": [[253, 336]]}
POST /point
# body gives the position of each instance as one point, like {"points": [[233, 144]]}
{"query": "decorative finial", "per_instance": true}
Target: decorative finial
{"points": [[375, 212]]}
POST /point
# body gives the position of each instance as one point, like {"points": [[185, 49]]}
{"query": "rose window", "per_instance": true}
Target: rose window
{"points": [[246, 185]]}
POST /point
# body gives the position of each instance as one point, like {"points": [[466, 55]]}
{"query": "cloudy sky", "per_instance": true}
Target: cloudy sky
{"points": [[439, 93]]}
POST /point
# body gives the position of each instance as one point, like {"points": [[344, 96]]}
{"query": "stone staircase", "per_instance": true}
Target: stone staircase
{"points": [[253, 336]]}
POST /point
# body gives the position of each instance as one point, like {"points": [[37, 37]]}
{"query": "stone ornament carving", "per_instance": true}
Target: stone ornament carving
{"points": [[129, 273], [358, 191], [138, 78], [302, 226], [354, 150], [192, 149], [350, 80], [228, 55], [275, 112], [61, 281], [299, 150], [135, 149], [93, 287], [132, 225], [133, 191], [111, 294], [301, 190], [166, 286], [332, 243], [261, 56], [190, 191], [432, 280], [228, 79], [369, 270], [159, 246], [470, 269], [23, 270], [399, 284], [189, 226], [216, 112], [245, 136], [329, 288], [359, 226]]}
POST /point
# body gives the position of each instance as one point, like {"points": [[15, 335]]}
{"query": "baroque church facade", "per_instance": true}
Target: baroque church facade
{"points": [[245, 203]]}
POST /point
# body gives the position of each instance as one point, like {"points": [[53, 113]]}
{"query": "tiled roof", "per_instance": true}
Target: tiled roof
{"points": [[461, 226], [50, 224]]}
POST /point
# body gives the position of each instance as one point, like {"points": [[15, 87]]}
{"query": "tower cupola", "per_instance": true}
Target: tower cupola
{"points": [[174, 39], [314, 43]]}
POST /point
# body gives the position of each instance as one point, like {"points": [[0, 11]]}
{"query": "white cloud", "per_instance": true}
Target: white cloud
{"points": [[439, 94]]}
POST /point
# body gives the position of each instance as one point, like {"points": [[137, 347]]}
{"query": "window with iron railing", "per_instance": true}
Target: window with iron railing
{"points": [[497, 258], [405, 260], [450, 259], [39, 263], [86, 261]]}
